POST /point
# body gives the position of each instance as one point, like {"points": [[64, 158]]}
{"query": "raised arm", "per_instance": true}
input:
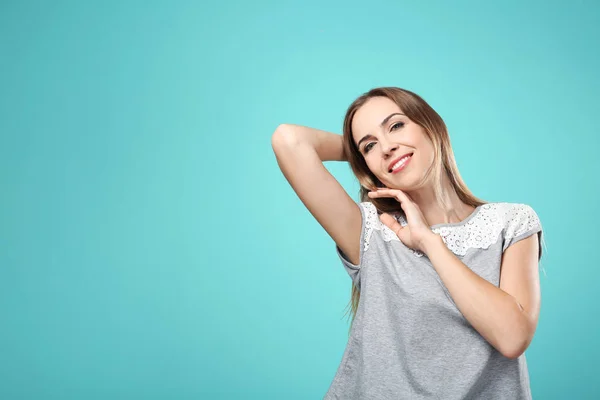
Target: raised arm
{"points": [[300, 152]]}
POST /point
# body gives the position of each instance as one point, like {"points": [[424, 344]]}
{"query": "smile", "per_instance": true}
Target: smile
{"points": [[400, 164]]}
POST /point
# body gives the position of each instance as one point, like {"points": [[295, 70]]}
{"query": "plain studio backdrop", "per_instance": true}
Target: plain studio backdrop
{"points": [[151, 247]]}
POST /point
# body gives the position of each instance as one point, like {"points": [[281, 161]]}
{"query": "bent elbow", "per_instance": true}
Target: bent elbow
{"points": [[515, 349], [513, 355], [283, 135]]}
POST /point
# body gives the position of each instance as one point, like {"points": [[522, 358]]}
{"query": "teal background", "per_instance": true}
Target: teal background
{"points": [[152, 249]]}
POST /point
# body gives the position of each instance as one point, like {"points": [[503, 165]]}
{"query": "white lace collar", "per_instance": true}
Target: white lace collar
{"points": [[478, 231]]}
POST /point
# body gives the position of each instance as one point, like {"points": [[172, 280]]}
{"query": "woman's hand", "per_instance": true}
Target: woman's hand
{"points": [[417, 232]]}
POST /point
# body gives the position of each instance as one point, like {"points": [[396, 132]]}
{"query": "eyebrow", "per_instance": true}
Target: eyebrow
{"points": [[369, 136]]}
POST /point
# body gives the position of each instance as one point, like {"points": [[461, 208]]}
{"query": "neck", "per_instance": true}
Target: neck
{"points": [[433, 212]]}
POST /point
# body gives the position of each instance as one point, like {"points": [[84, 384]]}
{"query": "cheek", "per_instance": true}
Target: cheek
{"points": [[427, 153], [371, 165], [425, 150], [424, 160], [374, 167]]}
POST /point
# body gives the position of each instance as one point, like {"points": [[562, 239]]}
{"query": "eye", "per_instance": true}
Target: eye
{"points": [[368, 147], [400, 124]]}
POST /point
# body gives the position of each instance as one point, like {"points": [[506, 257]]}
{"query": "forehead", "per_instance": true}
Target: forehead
{"points": [[368, 117]]}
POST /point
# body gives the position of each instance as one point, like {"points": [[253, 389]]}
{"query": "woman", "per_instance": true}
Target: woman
{"points": [[445, 286]]}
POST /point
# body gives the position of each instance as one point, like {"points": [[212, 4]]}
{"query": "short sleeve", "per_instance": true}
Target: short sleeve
{"points": [[522, 222], [368, 216]]}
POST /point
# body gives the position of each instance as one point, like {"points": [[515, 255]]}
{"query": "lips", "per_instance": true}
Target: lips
{"points": [[396, 160]]}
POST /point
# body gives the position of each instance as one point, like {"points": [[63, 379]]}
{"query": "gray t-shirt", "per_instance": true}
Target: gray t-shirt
{"points": [[408, 339]]}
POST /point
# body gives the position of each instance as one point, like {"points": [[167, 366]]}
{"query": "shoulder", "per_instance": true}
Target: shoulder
{"points": [[512, 216], [372, 225], [370, 215], [493, 221], [367, 205], [518, 221]]}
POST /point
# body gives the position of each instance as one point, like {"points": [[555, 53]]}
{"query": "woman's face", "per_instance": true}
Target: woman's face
{"points": [[384, 136]]}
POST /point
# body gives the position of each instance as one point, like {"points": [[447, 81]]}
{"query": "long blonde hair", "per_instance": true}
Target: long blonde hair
{"points": [[421, 113]]}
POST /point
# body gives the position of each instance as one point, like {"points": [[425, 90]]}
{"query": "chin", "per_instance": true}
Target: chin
{"points": [[405, 183]]}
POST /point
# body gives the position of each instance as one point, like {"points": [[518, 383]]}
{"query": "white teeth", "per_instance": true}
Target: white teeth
{"points": [[400, 163]]}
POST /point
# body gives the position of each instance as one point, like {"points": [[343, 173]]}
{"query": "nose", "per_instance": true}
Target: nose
{"points": [[388, 148]]}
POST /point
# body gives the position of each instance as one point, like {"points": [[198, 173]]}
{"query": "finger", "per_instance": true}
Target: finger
{"points": [[409, 206], [380, 194], [405, 202], [402, 197], [391, 222], [384, 192]]}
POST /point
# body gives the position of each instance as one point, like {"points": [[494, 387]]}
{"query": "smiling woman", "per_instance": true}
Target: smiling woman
{"points": [[445, 286]]}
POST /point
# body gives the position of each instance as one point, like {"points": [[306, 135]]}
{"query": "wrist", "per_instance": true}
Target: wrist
{"points": [[430, 242], [344, 156]]}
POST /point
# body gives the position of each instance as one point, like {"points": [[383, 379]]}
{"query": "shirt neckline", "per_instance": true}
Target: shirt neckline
{"points": [[473, 214], [464, 221]]}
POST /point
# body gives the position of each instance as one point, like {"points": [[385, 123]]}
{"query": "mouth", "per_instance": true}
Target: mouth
{"points": [[399, 163]]}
